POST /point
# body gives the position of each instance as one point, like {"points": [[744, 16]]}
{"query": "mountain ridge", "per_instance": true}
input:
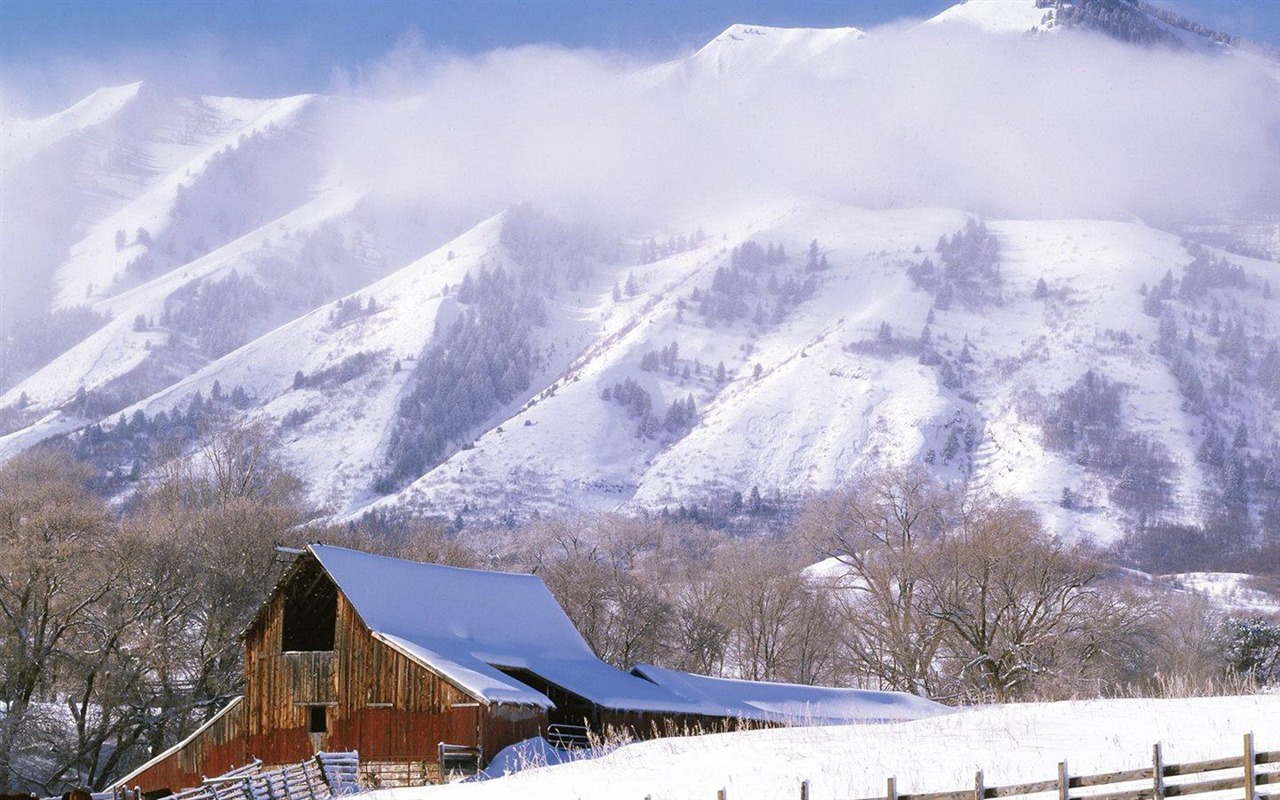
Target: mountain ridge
{"points": [[224, 275]]}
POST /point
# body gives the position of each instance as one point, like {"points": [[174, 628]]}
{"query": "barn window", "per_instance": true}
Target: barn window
{"points": [[319, 722], [310, 612]]}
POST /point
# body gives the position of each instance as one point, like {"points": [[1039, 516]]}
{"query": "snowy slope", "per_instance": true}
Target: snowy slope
{"points": [[1120, 19], [745, 50], [996, 16], [1015, 743], [344, 438], [819, 411], [137, 158], [1230, 591]]}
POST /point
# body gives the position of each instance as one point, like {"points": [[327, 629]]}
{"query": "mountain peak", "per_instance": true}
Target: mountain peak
{"points": [[102, 103], [743, 47], [996, 16]]}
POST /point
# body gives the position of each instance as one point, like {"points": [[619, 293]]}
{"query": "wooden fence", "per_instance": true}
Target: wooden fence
{"points": [[1250, 772], [326, 776]]}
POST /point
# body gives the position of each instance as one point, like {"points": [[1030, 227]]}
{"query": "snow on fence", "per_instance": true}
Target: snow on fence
{"points": [[1148, 783], [326, 776]]}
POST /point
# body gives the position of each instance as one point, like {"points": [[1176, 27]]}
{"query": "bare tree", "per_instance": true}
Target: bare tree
{"points": [[1020, 609], [764, 600], [607, 573], [52, 543], [880, 531]]}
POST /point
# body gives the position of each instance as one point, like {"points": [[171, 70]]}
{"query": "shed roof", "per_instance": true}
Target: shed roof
{"points": [[465, 623]]}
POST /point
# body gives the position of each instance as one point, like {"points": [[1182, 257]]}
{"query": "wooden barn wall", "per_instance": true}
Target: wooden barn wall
{"points": [[276, 683], [505, 725], [218, 749], [380, 703]]}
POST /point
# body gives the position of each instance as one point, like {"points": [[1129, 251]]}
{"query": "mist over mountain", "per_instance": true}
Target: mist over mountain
{"points": [[1030, 246]]}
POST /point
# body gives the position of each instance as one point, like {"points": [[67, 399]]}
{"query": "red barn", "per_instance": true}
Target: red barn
{"points": [[393, 658]]}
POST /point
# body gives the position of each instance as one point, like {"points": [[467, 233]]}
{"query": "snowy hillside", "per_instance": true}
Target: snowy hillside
{"points": [[1010, 744], [1140, 23], [746, 49], [181, 263], [809, 397]]}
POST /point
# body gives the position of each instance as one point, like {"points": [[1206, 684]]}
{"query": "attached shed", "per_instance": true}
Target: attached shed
{"points": [[393, 658]]}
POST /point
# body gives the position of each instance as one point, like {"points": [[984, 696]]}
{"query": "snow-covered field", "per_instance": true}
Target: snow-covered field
{"points": [[1010, 743]]}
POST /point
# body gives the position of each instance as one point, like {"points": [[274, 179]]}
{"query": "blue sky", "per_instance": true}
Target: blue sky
{"points": [[55, 50]]}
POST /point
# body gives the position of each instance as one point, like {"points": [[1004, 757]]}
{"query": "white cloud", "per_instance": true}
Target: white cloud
{"points": [[1068, 125]]}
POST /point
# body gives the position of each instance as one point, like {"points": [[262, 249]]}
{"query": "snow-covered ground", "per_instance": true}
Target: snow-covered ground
{"points": [[1010, 743], [1228, 590]]}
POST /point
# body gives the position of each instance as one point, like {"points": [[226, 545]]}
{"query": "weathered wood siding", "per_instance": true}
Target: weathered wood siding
{"points": [[379, 702], [277, 691], [504, 725], [217, 748]]}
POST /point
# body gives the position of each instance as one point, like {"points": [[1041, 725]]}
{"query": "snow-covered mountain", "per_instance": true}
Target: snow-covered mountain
{"points": [[180, 262]]}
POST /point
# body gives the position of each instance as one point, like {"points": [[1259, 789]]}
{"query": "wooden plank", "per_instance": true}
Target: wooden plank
{"points": [[963, 794], [1143, 793], [1200, 787], [1108, 778], [1022, 788], [1196, 767], [1269, 757]]}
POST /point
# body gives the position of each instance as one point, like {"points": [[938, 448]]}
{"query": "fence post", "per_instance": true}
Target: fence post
{"points": [[979, 789], [1250, 776], [723, 794], [804, 789], [1064, 782], [1157, 773], [892, 792]]}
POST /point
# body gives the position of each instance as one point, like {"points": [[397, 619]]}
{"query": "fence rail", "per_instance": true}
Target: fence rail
{"points": [[1145, 783]]}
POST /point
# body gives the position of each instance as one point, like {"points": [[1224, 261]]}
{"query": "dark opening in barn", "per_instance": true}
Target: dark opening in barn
{"points": [[319, 719], [570, 709], [310, 613]]}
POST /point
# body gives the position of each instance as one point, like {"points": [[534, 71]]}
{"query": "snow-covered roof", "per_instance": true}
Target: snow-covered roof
{"points": [[789, 703], [465, 623]]}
